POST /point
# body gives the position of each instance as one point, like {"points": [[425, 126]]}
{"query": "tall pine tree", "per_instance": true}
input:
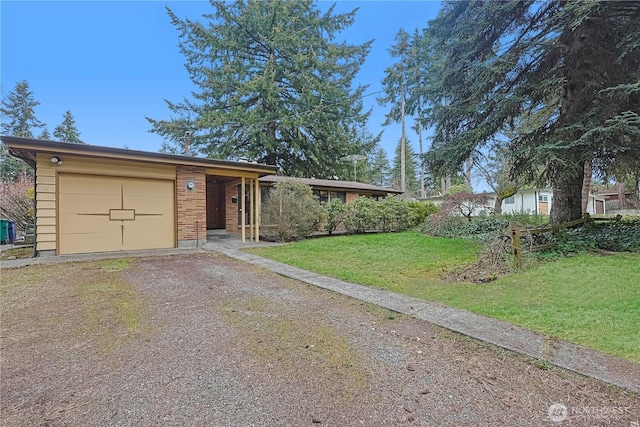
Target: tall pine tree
{"points": [[411, 166], [67, 131], [378, 168], [273, 86], [563, 76], [18, 119]]}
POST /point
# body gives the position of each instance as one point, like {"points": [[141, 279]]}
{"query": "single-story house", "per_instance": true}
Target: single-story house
{"points": [[328, 189], [619, 199], [614, 192], [532, 201], [90, 198]]}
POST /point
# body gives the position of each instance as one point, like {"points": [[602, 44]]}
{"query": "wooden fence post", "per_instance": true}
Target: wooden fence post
{"points": [[516, 250]]}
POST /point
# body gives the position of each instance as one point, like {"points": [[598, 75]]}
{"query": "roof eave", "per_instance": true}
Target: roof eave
{"points": [[26, 148]]}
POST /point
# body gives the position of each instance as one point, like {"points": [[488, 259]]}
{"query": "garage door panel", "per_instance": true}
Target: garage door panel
{"points": [[72, 223], [86, 203], [87, 185], [148, 223], [94, 242], [147, 204], [147, 240], [121, 214], [151, 188]]}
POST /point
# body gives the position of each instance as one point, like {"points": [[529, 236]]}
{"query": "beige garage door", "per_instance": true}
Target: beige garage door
{"points": [[98, 213]]}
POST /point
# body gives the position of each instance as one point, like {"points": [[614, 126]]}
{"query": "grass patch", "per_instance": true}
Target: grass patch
{"points": [[112, 310], [103, 310], [587, 299], [116, 264], [17, 253], [296, 343], [401, 262]]}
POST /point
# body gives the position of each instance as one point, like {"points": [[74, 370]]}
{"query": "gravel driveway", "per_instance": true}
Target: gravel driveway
{"points": [[201, 339]]}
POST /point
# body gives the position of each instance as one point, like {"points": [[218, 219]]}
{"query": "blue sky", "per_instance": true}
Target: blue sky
{"points": [[111, 63]]}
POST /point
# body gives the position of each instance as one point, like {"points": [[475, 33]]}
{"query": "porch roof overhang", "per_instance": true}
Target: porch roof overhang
{"points": [[27, 149]]}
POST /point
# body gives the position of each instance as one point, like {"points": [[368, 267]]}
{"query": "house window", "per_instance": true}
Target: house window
{"points": [[322, 195], [376, 197], [340, 195], [510, 200], [325, 196], [543, 198]]}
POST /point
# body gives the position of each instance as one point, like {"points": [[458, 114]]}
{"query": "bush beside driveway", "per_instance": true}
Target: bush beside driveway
{"points": [[201, 339]]}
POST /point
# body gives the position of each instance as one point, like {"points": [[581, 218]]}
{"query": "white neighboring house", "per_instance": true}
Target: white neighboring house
{"points": [[539, 201], [534, 201]]}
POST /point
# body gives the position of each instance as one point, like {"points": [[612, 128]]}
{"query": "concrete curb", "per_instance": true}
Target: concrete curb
{"points": [[612, 370]]}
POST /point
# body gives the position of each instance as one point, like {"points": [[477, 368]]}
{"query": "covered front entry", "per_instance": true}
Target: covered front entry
{"points": [[216, 204], [105, 213], [224, 204]]}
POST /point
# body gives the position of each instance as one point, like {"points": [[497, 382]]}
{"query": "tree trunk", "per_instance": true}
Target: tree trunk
{"points": [[567, 197], [622, 195], [579, 93], [586, 186], [497, 206]]}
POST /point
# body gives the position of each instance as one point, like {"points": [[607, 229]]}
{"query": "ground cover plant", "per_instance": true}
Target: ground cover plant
{"points": [[588, 299]]}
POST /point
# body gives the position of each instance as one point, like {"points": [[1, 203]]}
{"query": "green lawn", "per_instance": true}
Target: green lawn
{"points": [[587, 299]]}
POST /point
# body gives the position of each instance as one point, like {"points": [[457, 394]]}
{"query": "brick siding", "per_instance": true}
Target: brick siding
{"points": [[192, 204]]}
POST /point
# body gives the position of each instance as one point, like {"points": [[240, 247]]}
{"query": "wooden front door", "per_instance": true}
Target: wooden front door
{"points": [[543, 208], [216, 214]]}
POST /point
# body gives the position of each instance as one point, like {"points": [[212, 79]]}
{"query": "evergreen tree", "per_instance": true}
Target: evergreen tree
{"points": [[67, 131], [411, 163], [378, 168], [272, 86], [18, 112], [45, 134], [18, 119], [563, 76], [396, 84], [494, 168]]}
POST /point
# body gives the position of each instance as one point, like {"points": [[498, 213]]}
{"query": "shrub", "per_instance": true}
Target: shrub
{"points": [[480, 228], [290, 212], [335, 212], [395, 214], [362, 215], [421, 211], [16, 200]]}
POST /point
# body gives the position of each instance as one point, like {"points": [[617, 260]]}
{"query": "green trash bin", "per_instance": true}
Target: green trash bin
{"points": [[7, 231]]}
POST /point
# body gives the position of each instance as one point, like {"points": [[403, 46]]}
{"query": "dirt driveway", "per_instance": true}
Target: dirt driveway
{"points": [[204, 340]]}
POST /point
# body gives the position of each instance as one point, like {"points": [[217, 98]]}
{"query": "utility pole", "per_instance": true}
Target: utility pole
{"points": [[422, 195], [403, 149]]}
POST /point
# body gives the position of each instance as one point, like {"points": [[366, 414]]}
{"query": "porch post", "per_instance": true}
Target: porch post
{"points": [[251, 209], [243, 206], [258, 207]]}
